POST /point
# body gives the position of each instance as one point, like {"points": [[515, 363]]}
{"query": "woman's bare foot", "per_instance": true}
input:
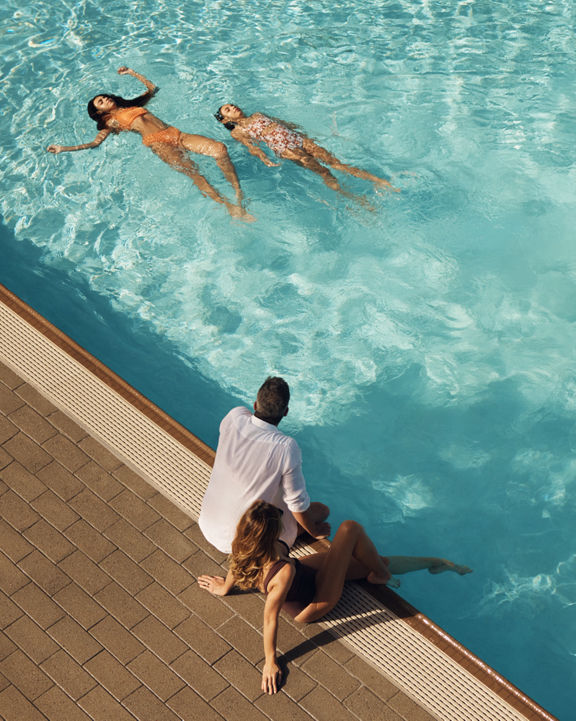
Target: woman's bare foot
{"points": [[381, 183], [237, 211], [444, 565]]}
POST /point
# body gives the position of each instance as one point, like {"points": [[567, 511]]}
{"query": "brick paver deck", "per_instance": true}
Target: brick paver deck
{"points": [[101, 616]]}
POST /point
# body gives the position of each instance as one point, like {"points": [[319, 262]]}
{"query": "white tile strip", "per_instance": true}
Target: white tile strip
{"points": [[110, 418], [418, 667]]}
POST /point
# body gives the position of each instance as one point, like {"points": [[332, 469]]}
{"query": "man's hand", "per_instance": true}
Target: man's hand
{"points": [[54, 149], [313, 520], [322, 530], [124, 70]]}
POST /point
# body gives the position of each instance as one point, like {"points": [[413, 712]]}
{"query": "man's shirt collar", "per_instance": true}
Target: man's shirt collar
{"points": [[263, 424]]}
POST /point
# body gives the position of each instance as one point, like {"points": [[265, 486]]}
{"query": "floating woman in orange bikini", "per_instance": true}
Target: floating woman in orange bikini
{"points": [[114, 114], [286, 143]]}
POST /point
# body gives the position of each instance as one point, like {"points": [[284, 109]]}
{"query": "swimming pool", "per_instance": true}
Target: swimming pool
{"points": [[429, 345]]}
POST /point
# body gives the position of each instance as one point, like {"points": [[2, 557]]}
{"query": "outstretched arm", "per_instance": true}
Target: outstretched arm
{"points": [[98, 140], [151, 89], [277, 591], [252, 148]]}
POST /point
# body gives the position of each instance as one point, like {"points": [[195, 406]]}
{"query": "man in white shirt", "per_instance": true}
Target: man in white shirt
{"points": [[254, 460]]}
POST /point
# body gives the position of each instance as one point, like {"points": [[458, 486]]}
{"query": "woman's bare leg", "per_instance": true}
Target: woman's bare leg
{"points": [[350, 543], [329, 180], [317, 151], [395, 564], [213, 148], [407, 564], [178, 160], [302, 158]]}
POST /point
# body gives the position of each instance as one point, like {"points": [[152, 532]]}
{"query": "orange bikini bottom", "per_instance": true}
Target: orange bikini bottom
{"points": [[170, 136]]}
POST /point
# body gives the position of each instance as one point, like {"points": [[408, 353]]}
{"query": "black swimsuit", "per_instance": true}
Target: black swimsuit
{"points": [[303, 587]]}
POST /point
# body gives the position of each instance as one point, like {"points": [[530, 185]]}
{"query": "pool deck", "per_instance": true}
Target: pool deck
{"points": [[101, 616]]}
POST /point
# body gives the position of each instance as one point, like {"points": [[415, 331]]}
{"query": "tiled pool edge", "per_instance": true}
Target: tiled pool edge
{"points": [[178, 465]]}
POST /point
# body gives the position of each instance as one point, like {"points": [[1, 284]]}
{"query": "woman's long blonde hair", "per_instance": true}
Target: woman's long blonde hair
{"points": [[254, 545]]}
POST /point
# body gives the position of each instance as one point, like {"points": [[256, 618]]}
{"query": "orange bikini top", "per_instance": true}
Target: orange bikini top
{"points": [[126, 116]]}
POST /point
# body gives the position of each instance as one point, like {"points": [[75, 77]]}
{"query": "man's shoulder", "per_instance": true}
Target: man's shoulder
{"points": [[235, 413], [239, 411], [288, 443]]}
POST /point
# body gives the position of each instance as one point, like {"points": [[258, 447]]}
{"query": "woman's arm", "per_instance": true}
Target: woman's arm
{"points": [[151, 89], [217, 585], [241, 137], [277, 591], [98, 140]]}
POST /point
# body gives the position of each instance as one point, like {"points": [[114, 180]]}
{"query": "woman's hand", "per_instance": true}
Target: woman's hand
{"points": [[125, 71], [214, 584], [54, 149], [271, 677], [271, 164]]}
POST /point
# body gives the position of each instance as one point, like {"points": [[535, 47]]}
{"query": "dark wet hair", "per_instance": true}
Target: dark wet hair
{"points": [[219, 117], [99, 118]]}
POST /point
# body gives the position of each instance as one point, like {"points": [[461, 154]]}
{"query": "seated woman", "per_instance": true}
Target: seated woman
{"points": [[114, 114], [288, 144], [310, 587]]}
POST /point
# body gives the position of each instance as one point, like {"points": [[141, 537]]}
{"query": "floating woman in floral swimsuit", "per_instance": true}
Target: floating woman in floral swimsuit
{"points": [[288, 144], [114, 114]]}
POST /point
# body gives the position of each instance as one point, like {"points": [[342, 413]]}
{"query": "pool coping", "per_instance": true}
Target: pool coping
{"points": [[25, 338]]}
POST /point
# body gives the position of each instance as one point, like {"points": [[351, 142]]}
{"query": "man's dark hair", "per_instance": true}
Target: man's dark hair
{"points": [[272, 400]]}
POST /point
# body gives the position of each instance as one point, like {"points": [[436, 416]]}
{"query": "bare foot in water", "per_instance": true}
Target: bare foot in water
{"points": [[236, 211], [386, 186], [444, 565]]}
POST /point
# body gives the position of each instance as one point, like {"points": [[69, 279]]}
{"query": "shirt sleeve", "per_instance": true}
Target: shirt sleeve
{"points": [[231, 415], [294, 491]]}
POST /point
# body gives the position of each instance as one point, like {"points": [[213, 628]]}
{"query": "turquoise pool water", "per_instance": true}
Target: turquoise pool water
{"points": [[429, 344]]}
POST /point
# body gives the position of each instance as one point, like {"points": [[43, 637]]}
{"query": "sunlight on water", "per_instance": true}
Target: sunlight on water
{"points": [[429, 344]]}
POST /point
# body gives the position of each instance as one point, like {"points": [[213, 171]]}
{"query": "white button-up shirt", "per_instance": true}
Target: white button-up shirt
{"points": [[254, 460]]}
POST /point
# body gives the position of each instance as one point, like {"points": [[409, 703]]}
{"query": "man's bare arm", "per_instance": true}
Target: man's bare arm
{"points": [[313, 520]]}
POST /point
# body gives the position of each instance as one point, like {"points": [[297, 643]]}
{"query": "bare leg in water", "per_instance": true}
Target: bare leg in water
{"points": [[178, 159], [352, 555], [214, 149], [321, 154], [300, 157]]}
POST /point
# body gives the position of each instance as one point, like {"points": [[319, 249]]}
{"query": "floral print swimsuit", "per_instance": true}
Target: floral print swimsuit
{"points": [[279, 139]]}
